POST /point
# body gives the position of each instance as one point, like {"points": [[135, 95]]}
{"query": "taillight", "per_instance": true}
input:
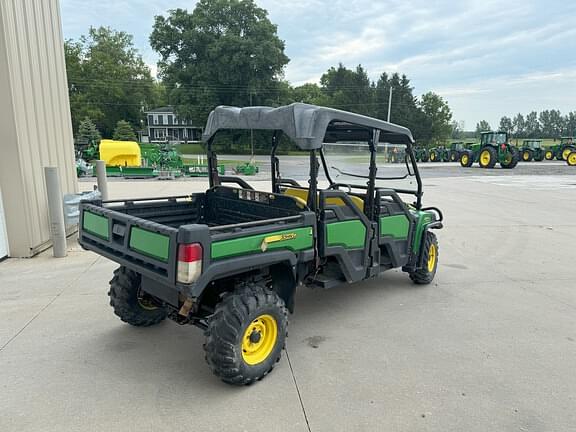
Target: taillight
{"points": [[189, 262]]}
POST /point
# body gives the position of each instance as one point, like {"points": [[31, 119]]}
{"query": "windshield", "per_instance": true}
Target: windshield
{"points": [[349, 164], [495, 138]]}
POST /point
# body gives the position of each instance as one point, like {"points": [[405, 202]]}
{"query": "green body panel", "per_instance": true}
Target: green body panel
{"points": [[396, 226], [303, 239], [150, 243], [95, 224], [423, 219], [350, 234]]}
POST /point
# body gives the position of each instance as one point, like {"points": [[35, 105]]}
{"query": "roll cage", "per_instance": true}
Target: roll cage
{"points": [[310, 127]]}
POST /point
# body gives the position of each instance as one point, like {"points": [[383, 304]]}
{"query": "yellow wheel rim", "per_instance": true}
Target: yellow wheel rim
{"points": [[526, 156], [549, 155], [566, 153], [465, 159], [432, 254], [259, 339], [572, 159], [485, 157], [433, 156]]}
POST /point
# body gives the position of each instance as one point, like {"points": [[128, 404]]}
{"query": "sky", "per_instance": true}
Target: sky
{"points": [[486, 58]]}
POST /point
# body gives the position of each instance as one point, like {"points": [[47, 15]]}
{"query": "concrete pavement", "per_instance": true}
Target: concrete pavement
{"points": [[489, 346]]}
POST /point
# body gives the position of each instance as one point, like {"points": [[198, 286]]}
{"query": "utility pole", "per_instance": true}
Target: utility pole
{"points": [[251, 135], [388, 120], [389, 103]]}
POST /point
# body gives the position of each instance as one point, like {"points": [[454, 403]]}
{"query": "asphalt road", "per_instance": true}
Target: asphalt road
{"points": [[489, 346]]}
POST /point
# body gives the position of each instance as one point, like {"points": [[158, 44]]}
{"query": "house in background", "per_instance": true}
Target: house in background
{"points": [[162, 125]]}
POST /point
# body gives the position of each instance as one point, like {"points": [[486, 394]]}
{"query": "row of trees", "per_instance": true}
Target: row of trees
{"points": [[547, 123], [225, 52]]}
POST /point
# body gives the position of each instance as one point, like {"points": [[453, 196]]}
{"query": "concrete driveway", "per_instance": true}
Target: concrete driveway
{"points": [[489, 346]]}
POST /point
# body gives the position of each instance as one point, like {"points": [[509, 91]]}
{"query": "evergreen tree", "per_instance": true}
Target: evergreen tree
{"points": [[124, 132]]}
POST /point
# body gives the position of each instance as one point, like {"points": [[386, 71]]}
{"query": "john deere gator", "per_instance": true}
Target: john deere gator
{"points": [[229, 260]]}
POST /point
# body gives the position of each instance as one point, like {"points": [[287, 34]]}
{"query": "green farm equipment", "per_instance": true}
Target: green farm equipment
{"points": [[229, 260], [493, 148], [421, 154], [455, 150], [439, 154], [531, 150], [562, 150], [247, 168]]}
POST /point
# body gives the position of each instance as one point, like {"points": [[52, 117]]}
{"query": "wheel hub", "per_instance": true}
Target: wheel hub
{"points": [[259, 339]]}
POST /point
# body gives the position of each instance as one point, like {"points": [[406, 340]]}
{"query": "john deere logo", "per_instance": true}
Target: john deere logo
{"points": [[276, 238]]}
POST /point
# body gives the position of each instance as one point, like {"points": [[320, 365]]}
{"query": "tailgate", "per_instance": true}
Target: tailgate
{"points": [[144, 246]]}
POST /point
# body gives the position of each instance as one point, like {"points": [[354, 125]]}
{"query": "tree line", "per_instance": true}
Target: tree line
{"points": [[545, 124]]}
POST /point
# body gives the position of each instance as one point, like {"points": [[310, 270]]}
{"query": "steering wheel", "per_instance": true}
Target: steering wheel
{"points": [[336, 186]]}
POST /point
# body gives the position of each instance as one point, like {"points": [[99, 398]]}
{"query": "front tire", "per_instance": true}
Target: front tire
{"points": [[571, 159], [426, 273], [549, 155], [246, 335], [130, 303], [511, 159], [487, 158], [466, 159], [527, 155]]}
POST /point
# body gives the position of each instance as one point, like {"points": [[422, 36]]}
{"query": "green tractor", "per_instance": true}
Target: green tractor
{"points": [[531, 150], [493, 147], [455, 151], [421, 154], [439, 154], [561, 151]]}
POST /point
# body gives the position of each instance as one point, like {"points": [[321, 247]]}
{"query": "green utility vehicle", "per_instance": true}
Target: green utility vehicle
{"points": [[493, 147], [531, 150], [421, 154], [562, 150], [247, 168], [455, 150], [229, 260], [439, 154]]}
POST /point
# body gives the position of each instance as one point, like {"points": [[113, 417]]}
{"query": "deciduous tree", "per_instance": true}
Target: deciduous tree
{"points": [[223, 52]]}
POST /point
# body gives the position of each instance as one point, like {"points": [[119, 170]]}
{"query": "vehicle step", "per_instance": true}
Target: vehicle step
{"points": [[325, 282]]}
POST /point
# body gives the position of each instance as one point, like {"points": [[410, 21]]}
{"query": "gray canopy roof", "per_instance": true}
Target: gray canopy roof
{"points": [[309, 126]]}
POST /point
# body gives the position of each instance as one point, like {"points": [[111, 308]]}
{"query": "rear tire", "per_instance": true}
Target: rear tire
{"points": [[488, 157], [425, 156], [246, 335], [130, 304], [425, 275], [539, 156]]}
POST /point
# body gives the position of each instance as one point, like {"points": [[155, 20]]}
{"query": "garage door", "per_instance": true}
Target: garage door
{"points": [[3, 236]]}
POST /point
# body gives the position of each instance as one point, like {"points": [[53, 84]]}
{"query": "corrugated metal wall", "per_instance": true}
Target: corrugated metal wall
{"points": [[35, 126]]}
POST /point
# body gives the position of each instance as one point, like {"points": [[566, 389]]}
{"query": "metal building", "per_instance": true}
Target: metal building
{"points": [[35, 126]]}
